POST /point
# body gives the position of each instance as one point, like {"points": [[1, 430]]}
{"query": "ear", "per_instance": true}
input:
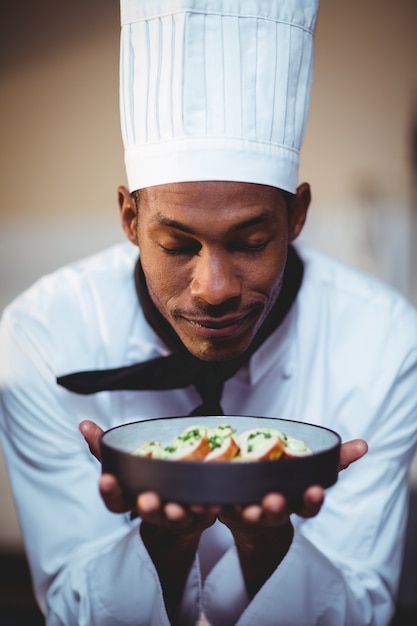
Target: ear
{"points": [[299, 208], [128, 214]]}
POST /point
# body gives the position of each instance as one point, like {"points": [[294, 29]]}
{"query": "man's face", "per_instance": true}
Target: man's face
{"points": [[213, 254]]}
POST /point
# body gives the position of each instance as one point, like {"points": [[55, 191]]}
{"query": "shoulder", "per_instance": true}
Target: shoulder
{"points": [[75, 282], [73, 309], [340, 286], [355, 316], [357, 350]]}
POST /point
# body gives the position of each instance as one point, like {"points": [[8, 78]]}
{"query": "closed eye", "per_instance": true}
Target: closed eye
{"points": [[186, 250], [241, 247]]}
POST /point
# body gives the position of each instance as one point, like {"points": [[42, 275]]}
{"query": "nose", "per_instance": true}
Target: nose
{"points": [[215, 279]]}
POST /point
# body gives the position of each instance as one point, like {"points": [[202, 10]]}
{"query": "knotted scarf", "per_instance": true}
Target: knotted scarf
{"points": [[181, 369]]}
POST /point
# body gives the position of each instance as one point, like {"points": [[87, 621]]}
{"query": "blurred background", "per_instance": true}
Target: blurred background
{"points": [[62, 160]]}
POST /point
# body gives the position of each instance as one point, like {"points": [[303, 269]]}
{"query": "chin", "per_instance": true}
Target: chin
{"points": [[217, 353]]}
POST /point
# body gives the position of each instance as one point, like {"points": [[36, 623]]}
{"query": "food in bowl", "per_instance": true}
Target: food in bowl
{"points": [[222, 443], [229, 481]]}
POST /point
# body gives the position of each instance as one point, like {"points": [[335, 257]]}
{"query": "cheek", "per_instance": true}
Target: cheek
{"points": [[267, 275], [157, 275], [157, 280], [166, 282]]}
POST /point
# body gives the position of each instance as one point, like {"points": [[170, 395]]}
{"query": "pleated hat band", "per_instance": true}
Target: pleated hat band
{"points": [[215, 89]]}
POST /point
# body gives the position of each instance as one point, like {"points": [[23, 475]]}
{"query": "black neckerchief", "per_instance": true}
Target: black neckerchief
{"points": [[181, 369]]}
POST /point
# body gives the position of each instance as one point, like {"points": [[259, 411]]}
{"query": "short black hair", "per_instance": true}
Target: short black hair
{"points": [[136, 197], [288, 198]]}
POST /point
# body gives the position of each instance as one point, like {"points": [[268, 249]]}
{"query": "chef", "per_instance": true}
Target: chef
{"points": [[210, 307]]}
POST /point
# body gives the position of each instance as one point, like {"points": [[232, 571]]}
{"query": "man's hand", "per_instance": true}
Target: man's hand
{"points": [[148, 504], [262, 532], [169, 531], [273, 509], [352, 451]]}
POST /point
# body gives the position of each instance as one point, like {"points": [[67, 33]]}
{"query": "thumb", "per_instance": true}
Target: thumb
{"points": [[351, 451], [92, 433]]}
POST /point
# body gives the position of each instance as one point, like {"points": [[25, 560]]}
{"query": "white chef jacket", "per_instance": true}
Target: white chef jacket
{"points": [[345, 357]]}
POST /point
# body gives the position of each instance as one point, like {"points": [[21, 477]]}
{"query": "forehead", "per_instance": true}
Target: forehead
{"points": [[210, 200]]}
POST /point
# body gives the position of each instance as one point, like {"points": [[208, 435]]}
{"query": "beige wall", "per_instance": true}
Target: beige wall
{"points": [[61, 147], [364, 101], [61, 154]]}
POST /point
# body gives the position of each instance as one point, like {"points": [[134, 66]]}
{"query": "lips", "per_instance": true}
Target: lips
{"points": [[223, 327]]}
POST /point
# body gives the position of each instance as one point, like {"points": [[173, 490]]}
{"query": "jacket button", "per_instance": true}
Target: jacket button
{"points": [[288, 370]]}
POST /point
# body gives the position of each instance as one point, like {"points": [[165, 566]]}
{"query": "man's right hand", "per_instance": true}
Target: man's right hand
{"points": [[148, 504], [169, 531]]}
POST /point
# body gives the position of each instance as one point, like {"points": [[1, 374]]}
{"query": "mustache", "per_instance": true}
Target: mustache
{"points": [[216, 311]]}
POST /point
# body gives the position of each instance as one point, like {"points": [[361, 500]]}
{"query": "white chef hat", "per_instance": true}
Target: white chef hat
{"points": [[215, 89]]}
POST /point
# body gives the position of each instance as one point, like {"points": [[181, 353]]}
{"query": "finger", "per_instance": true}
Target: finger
{"points": [[313, 499], [252, 513], [148, 503], [198, 509], [275, 508], [92, 433], [351, 451], [201, 509], [112, 494], [174, 512]]}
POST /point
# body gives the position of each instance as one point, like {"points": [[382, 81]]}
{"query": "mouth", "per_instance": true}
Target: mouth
{"points": [[221, 327]]}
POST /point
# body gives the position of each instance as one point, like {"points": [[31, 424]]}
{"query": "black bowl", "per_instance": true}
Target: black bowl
{"points": [[218, 482]]}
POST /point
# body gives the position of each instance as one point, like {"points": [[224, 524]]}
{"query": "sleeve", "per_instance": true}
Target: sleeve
{"points": [[89, 566], [343, 566]]}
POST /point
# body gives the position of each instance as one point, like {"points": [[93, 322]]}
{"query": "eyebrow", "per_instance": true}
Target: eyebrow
{"points": [[262, 217]]}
